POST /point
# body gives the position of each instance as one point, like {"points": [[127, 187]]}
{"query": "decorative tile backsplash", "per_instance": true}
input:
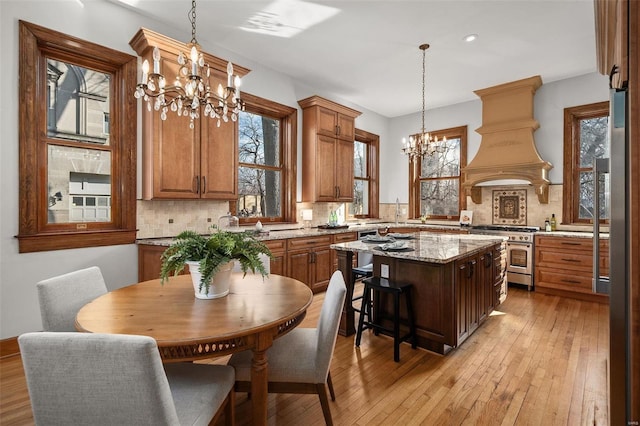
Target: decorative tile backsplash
{"points": [[168, 218]]}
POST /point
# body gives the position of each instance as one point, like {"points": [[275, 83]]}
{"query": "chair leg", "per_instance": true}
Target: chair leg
{"points": [[330, 384], [324, 403], [230, 409]]}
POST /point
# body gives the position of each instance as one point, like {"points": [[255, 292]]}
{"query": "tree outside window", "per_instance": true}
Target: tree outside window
{"points": [[266, 162], [436, 180], [365, 176], [586, 139]]}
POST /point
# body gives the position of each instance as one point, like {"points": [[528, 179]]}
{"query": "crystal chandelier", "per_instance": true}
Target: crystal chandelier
{"points": [[191, 90], [423, 143]]}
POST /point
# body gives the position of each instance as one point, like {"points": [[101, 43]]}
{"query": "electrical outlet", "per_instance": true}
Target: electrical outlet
{"points": [[384, 271], [170, 220]]}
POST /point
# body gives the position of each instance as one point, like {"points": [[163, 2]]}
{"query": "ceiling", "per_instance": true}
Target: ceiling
{"points": [[366, 51]]}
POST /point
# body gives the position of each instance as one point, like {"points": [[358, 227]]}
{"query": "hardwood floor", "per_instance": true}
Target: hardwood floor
{"points": [[539, 360]]}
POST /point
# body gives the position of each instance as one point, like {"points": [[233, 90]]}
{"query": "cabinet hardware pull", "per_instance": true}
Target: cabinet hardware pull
{"points": [[204, 184], [570, 281], [197, 184], [571, 260], [571, 244], [338, 192]]}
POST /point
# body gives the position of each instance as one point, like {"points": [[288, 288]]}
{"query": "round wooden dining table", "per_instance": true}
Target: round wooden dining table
{"points": [[254, 313]]}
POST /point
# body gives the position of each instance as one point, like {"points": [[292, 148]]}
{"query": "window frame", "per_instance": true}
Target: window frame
{"points": [[415, 165], [372, 142], [571, 161], [288, 117], [35, 233]]}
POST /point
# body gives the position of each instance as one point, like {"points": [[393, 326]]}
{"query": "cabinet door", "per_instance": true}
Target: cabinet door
{"points": [[346, 128], [298, 265], [474, 293], [463, 288], [171, 164], [219, 148], [325, 168], [321, 269], [344, 170], [327, 122]]}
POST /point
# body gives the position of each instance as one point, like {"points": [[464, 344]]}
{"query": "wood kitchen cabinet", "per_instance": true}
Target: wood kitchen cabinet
{"points": [[180, 162], [564, 266], [309, 259], [612, 39], [474, 296], [328, 133], [342, 238], [278, 263]]}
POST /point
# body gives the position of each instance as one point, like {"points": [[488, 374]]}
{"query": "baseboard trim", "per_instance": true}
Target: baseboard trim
{"points": [[9, 347]]}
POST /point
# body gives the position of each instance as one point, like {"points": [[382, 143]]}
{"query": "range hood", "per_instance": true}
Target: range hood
{"points": [[507, 149]]}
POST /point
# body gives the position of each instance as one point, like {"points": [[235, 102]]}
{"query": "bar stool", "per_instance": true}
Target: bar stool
{"points": [[358, 273], [397, 290]]}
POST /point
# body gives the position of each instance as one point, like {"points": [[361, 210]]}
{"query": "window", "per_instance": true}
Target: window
{"points": [[435, 184], [266, 161], [586, 137], [78, 126], [365, 176]]}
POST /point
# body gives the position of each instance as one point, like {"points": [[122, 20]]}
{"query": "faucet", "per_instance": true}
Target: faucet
{"points": [[397, 209]]}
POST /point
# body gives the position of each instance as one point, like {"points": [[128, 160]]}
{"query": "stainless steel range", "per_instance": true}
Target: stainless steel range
{"points": [[519, 250]]}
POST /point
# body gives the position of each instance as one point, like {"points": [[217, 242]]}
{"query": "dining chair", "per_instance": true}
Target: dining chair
{"points": [[62, 297], [116, 379], [299, 361]]}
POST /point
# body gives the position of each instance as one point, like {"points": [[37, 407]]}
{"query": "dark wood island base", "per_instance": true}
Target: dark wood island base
{"points": [[451, 297]]}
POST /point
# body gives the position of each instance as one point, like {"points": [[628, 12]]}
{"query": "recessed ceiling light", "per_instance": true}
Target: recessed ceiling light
{"points": [[470, 37]]}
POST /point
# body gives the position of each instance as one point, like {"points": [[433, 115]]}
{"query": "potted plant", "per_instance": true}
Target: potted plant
{"points": [[210, 259]]}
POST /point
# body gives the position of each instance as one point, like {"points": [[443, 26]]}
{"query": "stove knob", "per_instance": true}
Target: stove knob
{"points": [[520, 237]]}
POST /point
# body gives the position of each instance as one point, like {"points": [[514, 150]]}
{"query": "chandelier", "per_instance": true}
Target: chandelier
{"points": [[191, 91], [423, 143]]}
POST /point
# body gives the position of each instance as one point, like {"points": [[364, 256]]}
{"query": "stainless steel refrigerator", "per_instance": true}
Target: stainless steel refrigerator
{"points": [[614, 174]]}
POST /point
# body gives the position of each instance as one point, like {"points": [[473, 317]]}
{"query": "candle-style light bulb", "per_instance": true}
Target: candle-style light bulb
{"points": [[194, 60], [156, 60], [145, 71], [229, 74]]}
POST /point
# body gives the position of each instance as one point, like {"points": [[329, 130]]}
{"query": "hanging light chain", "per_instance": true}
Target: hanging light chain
{"points": [[193, 22]]}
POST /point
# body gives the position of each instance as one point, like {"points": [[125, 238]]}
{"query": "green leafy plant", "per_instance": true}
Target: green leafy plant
{"points": [[213, 251]]}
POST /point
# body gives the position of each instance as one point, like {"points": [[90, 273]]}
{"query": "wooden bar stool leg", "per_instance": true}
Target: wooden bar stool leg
{"points": [[364, 310]]}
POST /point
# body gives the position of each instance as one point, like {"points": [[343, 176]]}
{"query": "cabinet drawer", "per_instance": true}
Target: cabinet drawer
{"points": [[300, 243], [575, 260], [347, 236], [565, 243], [276, 245], [554, 278]]}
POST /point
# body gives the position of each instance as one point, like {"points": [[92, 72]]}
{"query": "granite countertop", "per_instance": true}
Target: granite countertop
{"points": [[427, 247], [281, 233]]}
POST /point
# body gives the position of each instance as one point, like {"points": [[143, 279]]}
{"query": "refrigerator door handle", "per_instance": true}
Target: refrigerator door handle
{"points": [[598, 284]]}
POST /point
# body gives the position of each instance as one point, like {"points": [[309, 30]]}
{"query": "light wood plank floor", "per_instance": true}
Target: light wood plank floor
{"points": [[538, 360]]}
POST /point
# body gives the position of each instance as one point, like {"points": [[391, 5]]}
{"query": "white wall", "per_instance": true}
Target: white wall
{"points": [[549, 103], [110, 25]]}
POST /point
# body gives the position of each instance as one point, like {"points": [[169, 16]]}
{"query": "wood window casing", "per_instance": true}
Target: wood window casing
{"points": [[288, 117], [373, 165], [571, 163], [415, 180], [37, 44]]}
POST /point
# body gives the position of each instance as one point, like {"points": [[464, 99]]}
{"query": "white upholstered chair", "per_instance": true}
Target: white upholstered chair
{"points": [[299, 361], [62, 297], [113, 379]]}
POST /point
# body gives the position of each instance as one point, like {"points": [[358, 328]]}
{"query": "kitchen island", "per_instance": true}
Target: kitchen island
{"points": [[458, 280]]}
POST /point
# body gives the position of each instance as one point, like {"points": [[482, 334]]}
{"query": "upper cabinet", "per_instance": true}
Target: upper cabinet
{"points": [[328, 133], [179, 162], [612, 47]]}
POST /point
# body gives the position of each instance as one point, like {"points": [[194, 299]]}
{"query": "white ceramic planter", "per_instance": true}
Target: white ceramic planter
{"points": [[219, 286]]}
